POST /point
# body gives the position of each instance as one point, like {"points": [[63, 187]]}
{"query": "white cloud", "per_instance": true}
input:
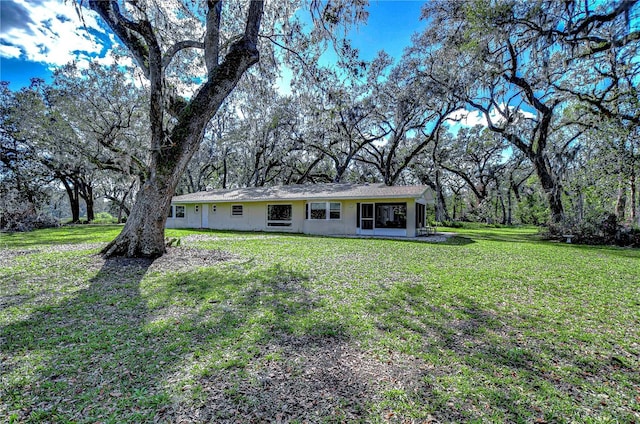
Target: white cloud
{"points": [[470, 118], [9, 52], [467, 118], [53, 34]]}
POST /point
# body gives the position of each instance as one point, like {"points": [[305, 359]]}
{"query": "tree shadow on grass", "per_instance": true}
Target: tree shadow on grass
{"points": [[263, 351], [489, 365], [232, 342], [502, 235], [66, 360]]}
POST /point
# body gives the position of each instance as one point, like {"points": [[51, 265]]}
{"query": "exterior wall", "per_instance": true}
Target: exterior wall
{"points": [[190, 220], [254, 218], [346, 225]]}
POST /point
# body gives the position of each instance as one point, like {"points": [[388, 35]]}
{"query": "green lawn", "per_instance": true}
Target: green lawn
{"points": [[493, 325]]}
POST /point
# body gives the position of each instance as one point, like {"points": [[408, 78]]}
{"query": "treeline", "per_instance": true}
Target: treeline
{"points": [[512, 112]]}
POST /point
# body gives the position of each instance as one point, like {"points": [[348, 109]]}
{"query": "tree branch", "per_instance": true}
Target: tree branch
{"points": [[169, 54], [212, 36], [129, 32]]}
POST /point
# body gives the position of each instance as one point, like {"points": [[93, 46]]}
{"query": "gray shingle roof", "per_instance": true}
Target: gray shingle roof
{"points": [[304, 192]]}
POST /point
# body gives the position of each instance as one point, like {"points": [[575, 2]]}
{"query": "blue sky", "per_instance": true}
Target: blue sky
{"points": [[37, 36]]}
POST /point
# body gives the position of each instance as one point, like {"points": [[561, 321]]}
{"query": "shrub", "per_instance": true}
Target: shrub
{"points": [[104, 218], [26, 220], [629, 236], [19, 214], [597, 230], [451, 224]]}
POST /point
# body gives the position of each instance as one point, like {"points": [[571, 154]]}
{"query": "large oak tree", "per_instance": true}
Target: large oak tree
{"points": [[520, 63], [156, 36], [168, 39]]}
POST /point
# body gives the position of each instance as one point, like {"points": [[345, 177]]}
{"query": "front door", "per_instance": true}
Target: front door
{"points": [[205, 215], [366, 218]]}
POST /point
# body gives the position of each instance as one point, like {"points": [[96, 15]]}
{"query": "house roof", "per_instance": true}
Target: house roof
{"points": [[305, 192]]}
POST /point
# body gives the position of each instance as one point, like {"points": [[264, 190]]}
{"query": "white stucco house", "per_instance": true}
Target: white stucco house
{"points": [[323, 209]]}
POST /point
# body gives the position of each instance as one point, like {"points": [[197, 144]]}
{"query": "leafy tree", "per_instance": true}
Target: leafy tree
{"points": [[513, 61], [107, 112], [475, 155], [339, 118], [23, 183], [159, 36], [164, 38], [52, 139], [408, 114]]}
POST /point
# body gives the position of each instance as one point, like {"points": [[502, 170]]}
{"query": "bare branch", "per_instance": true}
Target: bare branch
{"points": [[130, 33], [212, 36], [168, 56]]}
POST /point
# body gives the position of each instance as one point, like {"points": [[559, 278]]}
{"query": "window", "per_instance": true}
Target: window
{"points": [[236, 210], [180, 211], [334, 210], [391, 215], [318, 211], [323, 210], [279, 215], [170, 212]]}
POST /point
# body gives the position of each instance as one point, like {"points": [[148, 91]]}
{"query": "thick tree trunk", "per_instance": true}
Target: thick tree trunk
{"points": [[621, 199], [509, 207], [635, 216], [172, 149], [88, 199], [143, 234], [551, 187], [224, 172], [455, 207], [74, 199], [441, 204], [503, 208]]}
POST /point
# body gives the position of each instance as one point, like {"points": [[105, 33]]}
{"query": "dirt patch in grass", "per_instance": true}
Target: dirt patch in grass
{"points": [[186, 258], [313, 379], [8, 255]]}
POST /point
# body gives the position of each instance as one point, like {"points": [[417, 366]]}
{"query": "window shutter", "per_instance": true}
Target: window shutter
{"points": [[357, 215]]}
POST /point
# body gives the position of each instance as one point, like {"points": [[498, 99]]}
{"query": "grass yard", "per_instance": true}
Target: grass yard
{"points": [[493, 325]]}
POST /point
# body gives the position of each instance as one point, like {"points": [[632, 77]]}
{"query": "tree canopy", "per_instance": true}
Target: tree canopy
{"points": [[510, 111]]}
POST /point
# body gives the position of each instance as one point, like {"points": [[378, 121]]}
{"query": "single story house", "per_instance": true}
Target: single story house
{"points": [[323, 209]]}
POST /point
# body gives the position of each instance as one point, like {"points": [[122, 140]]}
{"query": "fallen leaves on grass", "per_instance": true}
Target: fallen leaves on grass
{"points": [[317, 378]]}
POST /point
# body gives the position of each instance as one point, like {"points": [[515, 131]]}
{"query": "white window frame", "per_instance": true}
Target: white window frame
{"points": [[339, 211], [280, 223], [184, 211], [310, 211], [327, 213], [233, 212]]}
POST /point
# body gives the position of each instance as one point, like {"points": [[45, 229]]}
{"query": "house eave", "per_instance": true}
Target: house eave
{"points": [[293, 199]]}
